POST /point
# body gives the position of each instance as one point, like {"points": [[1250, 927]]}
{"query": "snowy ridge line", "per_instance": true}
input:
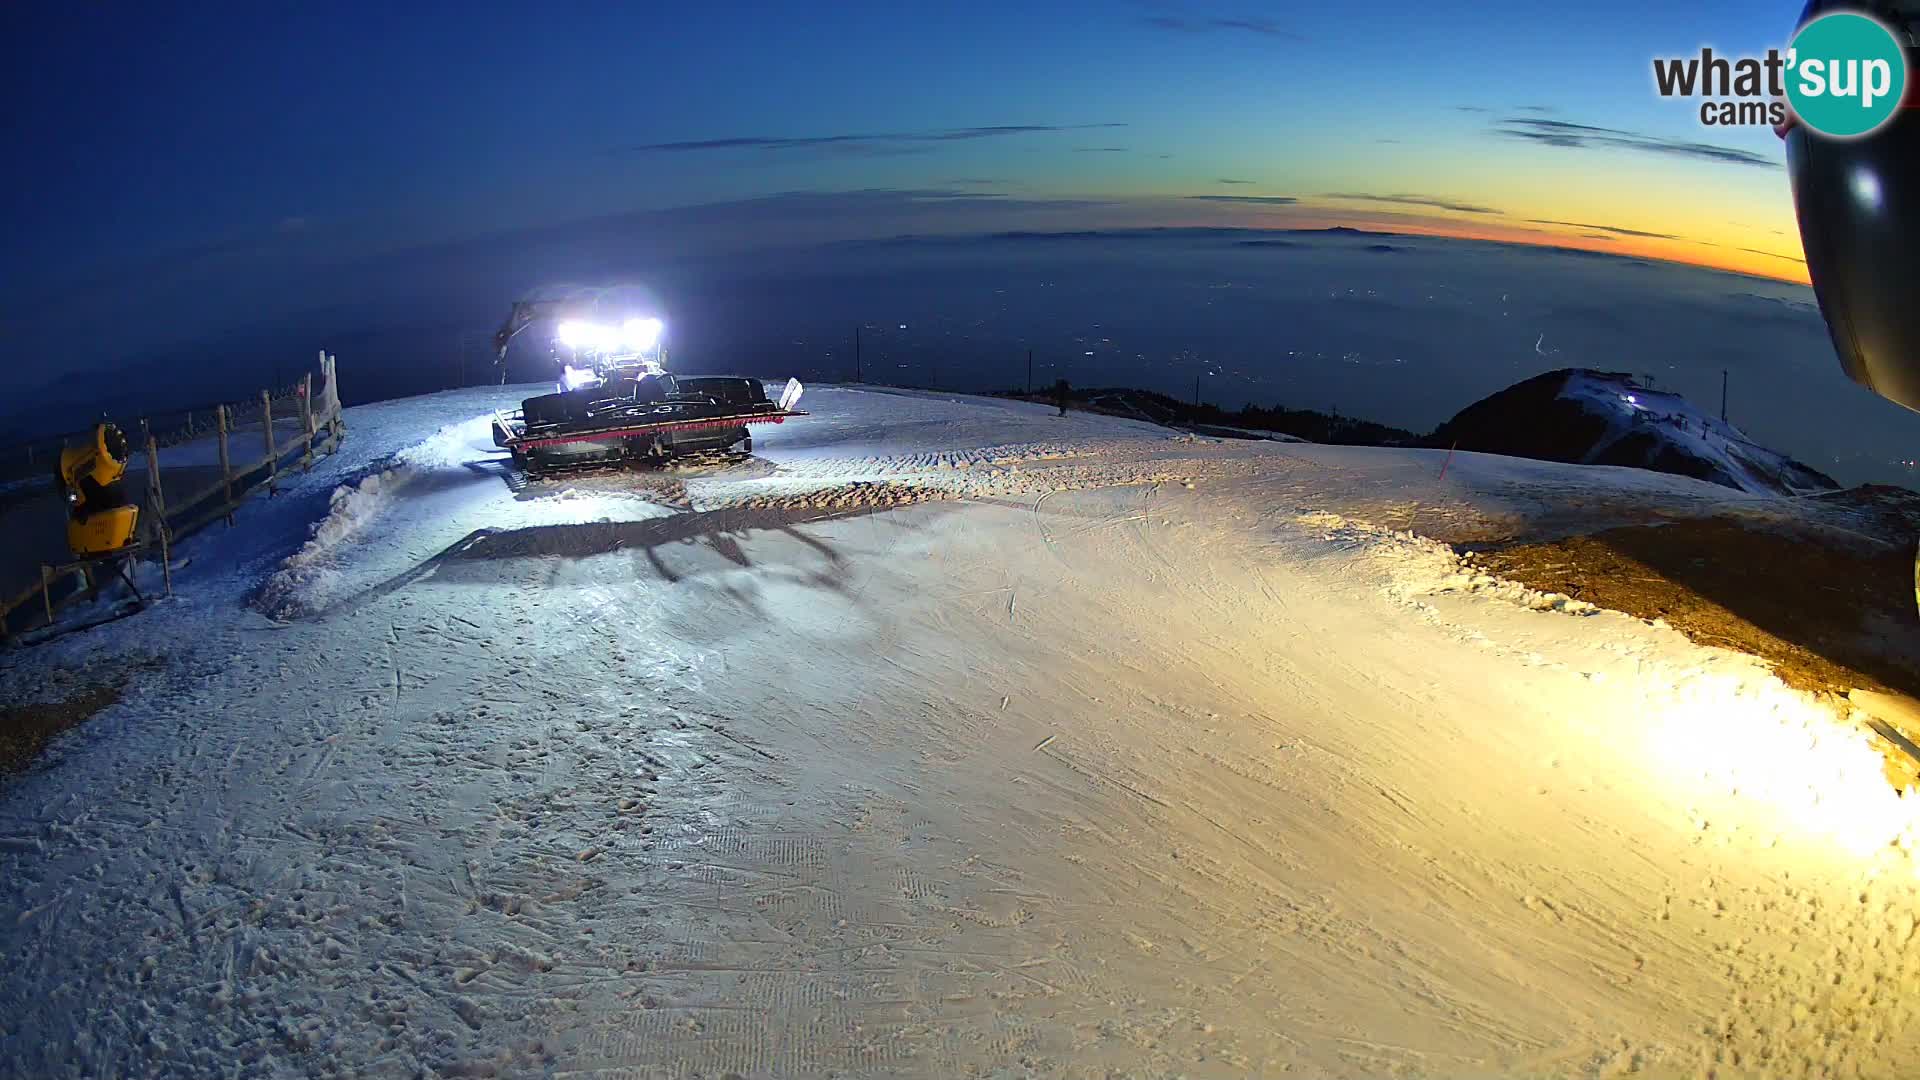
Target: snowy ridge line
{"points": [[1746, 464], [1419, 566]]}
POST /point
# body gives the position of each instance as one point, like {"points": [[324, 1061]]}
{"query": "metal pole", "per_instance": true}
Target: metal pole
{"points": [[46, 590], [1723, 395], [266, 422]]}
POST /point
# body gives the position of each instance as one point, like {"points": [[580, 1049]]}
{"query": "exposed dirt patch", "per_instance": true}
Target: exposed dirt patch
{"points": [[25, 730], [1828, 618]]}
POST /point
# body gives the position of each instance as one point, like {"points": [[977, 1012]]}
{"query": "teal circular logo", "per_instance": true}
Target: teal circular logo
{"points": [[1846, 74]]}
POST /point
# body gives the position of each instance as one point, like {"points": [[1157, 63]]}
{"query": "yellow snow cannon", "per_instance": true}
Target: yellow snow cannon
{"points": [[100, 519]]}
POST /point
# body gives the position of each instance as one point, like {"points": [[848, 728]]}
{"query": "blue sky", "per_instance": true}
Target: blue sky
{"points": [[259, 140]]}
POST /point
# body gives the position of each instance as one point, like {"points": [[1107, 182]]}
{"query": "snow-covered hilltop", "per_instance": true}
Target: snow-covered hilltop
{"points": [[944, 737], [1605, 418]]}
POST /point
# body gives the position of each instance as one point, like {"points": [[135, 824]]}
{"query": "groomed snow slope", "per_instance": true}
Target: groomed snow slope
{"points": [[946, 737]]}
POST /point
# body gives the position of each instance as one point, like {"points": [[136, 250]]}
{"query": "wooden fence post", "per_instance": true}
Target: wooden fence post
{"points": [[314, 420], [273, 464], [226, 464], [156, 504], [166, 543], [156, 499], [306, 419], [333, 392]]}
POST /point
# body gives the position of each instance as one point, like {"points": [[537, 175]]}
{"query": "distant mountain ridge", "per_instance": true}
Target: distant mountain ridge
{"points": [[1587, 417], [1147, 232]]}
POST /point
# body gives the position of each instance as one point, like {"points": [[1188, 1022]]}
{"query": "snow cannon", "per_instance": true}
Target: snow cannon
{"points": [[100, 519], [1858, 203]]}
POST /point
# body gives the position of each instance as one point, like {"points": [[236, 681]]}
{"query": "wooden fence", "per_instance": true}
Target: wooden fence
{"points": [[169, 517]]}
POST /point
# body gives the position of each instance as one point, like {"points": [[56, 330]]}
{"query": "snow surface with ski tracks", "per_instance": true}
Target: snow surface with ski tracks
{"points": [[945, 736]]}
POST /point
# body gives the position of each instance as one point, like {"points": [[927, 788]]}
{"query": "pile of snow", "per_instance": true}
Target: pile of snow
{"points": [[1605, 418], [308, 580], [451, 447], [1418, 566]]}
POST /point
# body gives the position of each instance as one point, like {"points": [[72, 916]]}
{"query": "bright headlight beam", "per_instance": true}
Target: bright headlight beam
{"points": [[575, 335], [643, 334], [1728, 740]]}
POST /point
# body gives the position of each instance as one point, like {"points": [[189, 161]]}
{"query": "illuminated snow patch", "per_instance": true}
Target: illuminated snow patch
{"points": [[1417, 566], [1713, 727], [1748, 736]]}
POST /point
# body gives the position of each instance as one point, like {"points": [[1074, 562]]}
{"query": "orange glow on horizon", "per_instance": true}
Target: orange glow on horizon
{"points": [[1687, 253]]}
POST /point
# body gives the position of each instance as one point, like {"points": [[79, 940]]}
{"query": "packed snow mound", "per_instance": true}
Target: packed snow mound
{"points": [[1417, 567], [351, 507], [1588, 417], [310, 578], [305, 580]]}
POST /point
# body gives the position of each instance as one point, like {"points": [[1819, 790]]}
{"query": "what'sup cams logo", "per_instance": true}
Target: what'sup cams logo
{"points": [[1844, 75]]}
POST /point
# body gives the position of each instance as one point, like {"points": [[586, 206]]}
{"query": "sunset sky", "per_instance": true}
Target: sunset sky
{"points": [[146, 139]]}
